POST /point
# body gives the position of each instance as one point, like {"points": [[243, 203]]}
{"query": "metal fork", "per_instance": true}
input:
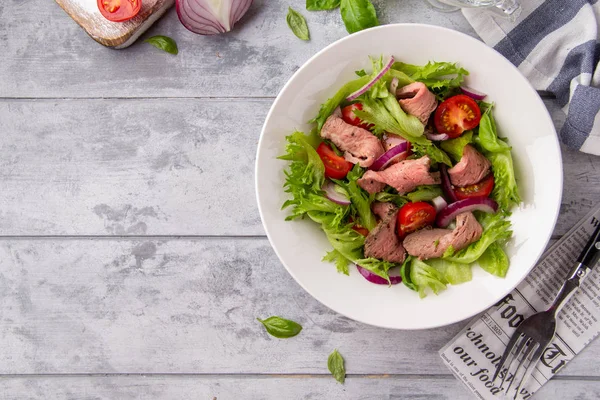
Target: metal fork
{"points": [[535, 333]]}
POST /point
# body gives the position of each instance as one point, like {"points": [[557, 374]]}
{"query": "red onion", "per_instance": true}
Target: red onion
{"points": [[370, 84], [386, 158], [448, 214], [472, 93], [333, 195], [211, 17], [390, 140], [446, 184], [371, 277], [439, 203], [394, 86], [437, 137]]}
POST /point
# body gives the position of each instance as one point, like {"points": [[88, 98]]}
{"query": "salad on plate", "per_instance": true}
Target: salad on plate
{"points": [[407, 177]]}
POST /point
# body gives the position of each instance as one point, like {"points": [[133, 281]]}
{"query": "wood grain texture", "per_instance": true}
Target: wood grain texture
{"points": [[253, 60], [161, 167], [112, 34], [259, 388], [187, 306]]}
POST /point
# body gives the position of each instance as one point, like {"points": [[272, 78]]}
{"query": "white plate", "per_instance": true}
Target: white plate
{"points": [[521, 116]]}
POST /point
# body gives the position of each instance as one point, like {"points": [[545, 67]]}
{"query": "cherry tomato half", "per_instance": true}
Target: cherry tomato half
{"points": [[336, 167], [414, 216], [349, 117], [481, 189], [119, 10], [456, 115], [358, 228]]}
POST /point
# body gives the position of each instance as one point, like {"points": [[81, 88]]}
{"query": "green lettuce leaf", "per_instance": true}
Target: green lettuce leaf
{"points": [[495, 228], [425, 193], [494, 260], [425, 277], [330, 105], [304, 178], [361, 200], [387, 116], [488, 135], [348, 244], [442, 78], [455, 147], [341, 262], [405, 274], [385, 197], [506, 191], [436, 155], [452, 272], [376, 266], [319, 5]]}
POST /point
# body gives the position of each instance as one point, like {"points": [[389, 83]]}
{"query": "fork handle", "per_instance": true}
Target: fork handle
{"points": [[585, 263], [591, 252]]}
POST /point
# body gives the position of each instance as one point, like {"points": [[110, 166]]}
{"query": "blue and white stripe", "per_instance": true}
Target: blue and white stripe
{"points": [[555, 44]]}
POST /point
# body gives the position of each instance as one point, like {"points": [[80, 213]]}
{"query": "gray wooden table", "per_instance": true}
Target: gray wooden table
{"points": [[132, 258]]}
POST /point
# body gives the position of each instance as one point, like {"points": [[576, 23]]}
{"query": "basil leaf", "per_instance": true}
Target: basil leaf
{"points": [[281, 328], [335, 363], [358, 15], [297, 24], [319, 5], [164, 43]]}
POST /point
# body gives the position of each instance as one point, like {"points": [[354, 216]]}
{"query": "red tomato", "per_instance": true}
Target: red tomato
{"points": [[481, 189], [336, 167], [456, 115], [360, 229], [351, 118], [363, 231], [119, 10], [414, 216]]}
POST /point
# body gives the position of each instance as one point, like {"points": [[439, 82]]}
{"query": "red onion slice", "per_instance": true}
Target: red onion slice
{"points": [[472, 93], [200, 16], [437, 137], [439, 203], [371, 277], [449, 213], [333, 195], [394, 86], [386, 158], [446, 184], [370, 84]]}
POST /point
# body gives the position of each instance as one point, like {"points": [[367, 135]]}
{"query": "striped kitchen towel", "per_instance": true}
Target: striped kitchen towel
{"points": [[554, 43]]}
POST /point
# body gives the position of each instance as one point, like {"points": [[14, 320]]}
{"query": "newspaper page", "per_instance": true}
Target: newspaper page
{"points": [[475, 352]]}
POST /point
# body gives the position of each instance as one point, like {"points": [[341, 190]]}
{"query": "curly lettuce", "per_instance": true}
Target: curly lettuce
{"points": [[494, 260], [442, 78], [304, 179]]}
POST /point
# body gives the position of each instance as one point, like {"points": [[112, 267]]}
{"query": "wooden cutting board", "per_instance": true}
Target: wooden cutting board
{"points": [[117, 35]]}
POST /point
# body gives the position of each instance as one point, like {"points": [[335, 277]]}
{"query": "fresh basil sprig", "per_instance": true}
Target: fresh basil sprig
{"points": [[320, 5], [164, 43], [358, 15], [281, 328], [335, 364], [297, 24]]}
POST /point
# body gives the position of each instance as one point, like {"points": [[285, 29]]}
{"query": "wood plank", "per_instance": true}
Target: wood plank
{"points": [[255, 59], [256, 388], [187, 306], [174, 167]]}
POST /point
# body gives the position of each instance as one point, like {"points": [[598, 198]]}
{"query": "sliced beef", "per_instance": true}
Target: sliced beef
{"points": [[417, 100], [359, 145], [382, 210], [426, 243], [471, 169], [404, 176], [432, 243], [382, 242]]}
